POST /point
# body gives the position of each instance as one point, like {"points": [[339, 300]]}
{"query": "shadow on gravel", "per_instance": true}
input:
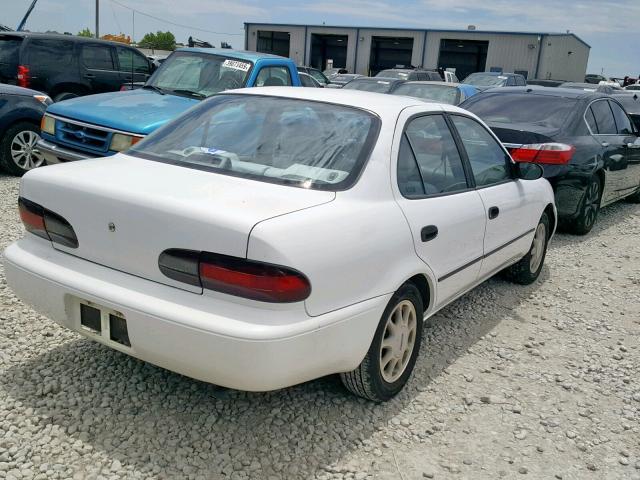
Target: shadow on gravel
{"points": [[168, 425]]}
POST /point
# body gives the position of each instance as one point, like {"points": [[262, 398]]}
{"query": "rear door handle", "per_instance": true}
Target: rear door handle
{"points": [[428, 233], [493, 212], [89, 75]]}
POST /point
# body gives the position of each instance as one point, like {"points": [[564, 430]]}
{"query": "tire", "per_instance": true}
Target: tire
{"points": [[370, 380], [18, 153], [528, 268], [635, 198], [589, 208], [64, 96]]}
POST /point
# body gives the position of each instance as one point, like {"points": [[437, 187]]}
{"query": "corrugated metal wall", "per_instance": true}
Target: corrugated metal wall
{"points": [[557, 63], [508, 51]]}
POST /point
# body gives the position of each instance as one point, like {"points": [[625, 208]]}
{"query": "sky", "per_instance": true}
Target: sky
{"points": [[610, 27]]}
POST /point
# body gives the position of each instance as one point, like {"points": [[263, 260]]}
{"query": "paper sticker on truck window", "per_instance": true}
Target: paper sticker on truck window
{"points": [[236, 65]]}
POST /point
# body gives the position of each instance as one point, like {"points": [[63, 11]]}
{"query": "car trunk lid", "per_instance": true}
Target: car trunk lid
{"points": [[521, 134], [126, 211]]}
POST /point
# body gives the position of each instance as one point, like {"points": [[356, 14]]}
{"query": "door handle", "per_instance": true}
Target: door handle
{"points": [[493, 212], [89, 75], [633, 145], [428, 233], [605, 144]]}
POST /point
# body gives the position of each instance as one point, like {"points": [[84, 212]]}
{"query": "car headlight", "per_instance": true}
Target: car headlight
{"points": [[48, 125], [43, 99], [121, 142]]}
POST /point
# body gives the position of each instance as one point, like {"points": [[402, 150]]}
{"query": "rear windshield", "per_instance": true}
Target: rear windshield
{"points": [[399, 74], [437, 93], [280, 140], [485, 80], [200, 75], [546, 111], [380, 86], [9, 49]]}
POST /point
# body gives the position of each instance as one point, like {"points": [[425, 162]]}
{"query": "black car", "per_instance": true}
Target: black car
{"points": [[631, 103], [374, 84], [317, 75], [585, 140], [21, 111], [66, 66], [410, 74]]}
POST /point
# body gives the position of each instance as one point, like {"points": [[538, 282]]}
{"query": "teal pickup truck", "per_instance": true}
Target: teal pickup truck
{"points": [[104, 124]]}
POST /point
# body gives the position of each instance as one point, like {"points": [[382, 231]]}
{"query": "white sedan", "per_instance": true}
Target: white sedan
{"points": [[276, 235]]}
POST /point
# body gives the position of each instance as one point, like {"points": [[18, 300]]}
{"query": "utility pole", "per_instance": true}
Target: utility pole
{"points": [[97, 18]]}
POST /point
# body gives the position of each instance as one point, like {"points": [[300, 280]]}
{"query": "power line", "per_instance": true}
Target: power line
{"points": [[188, 27]]}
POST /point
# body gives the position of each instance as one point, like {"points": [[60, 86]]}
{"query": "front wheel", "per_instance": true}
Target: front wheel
{"points": [[528, 268], [18, 150], [388, 364]]}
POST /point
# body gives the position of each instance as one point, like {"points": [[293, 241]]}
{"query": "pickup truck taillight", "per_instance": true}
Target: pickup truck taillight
{"points": [[46, 224], [240, 277], [24, 78]]}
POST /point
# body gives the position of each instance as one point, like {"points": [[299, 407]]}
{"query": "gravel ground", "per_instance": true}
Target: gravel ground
{"points": [[512, 382]]}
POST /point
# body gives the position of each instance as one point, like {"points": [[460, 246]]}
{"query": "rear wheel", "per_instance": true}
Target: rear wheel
{"points": [[18, 150], [528, 268], [635, 198], [393, 352], [589, 208]]}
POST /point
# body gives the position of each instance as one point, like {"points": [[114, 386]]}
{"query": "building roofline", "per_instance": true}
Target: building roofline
{"points": [[407, 29]]}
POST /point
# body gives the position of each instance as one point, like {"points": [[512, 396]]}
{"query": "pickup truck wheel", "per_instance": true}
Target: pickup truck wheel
{"points": [[388, 364], [528, 268], [18, 150], [64, 96]]}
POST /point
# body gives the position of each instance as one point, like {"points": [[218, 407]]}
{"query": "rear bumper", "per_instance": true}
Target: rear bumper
{"points": [[56, 154], [209, 338]]}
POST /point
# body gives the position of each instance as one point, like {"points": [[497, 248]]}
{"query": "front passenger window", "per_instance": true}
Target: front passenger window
{"points": [[429, 162], [489, 162]]}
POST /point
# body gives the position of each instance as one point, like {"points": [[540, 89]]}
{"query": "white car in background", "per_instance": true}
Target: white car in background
{"points": [[276, 235]]}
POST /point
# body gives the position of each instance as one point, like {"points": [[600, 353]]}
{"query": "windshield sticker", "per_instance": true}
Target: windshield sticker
{"points": [[236, 65]]}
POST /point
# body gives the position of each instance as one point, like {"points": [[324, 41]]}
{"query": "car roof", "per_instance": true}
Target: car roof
{"points": [[630, 101], [547, 91], [381, 104], [226, 52], [432, 82], [62, 36], [378, 79]]}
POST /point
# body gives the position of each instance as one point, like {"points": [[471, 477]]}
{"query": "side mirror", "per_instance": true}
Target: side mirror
{"points": [[529, 171]]}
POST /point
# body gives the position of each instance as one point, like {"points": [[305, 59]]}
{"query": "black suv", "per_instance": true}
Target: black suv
{"points": [[66, 66]]}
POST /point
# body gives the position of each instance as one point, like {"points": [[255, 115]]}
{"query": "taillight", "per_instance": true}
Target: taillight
{"points": [[547, 153], [46, 224], [23, 76], [235, 276]]}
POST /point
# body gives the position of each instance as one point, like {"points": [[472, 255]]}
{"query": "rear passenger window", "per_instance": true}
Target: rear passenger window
{"points": [[623, 124], [429, 162], [604, 118], [50, 53], [97, 57], [273, 77], [591, 121], [488, 160]]}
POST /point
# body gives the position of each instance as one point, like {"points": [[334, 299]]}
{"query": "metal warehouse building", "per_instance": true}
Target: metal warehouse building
{"points": [[367, 50]]}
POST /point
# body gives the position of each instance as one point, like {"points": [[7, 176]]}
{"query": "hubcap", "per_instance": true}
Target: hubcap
{"points": [[24, 151], [398, 341], [592, 203], [537, 248]]}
